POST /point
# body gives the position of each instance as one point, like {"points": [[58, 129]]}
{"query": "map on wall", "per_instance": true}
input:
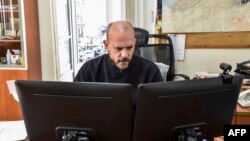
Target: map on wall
{"points": [[205, 15]]}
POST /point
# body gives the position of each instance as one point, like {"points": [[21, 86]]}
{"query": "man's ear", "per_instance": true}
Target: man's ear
{"points": [[105, 42]]}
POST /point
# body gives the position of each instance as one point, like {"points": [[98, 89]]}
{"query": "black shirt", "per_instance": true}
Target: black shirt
{"points": [[101, 69]]}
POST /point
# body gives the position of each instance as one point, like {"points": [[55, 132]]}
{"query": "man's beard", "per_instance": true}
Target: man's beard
{"points": [[115, 63]]}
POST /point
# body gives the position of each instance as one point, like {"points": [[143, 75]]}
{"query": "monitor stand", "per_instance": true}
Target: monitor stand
{"points": [[75, 134], [190, 132]]}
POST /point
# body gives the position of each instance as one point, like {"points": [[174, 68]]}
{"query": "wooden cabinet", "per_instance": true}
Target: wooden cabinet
{"points": [[242, 115], [9, 108]]}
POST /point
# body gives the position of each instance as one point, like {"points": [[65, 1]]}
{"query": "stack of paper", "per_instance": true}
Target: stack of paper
{"points": [[12, 130]]}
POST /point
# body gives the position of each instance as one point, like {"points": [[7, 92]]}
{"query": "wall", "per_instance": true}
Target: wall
{"points": [[116, 10], [209, 59], [47, 40], [195, 59], [203, 59]]}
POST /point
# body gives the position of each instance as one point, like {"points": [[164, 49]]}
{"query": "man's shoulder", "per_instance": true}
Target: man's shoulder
{"points": [[96, 60], [143, 60]]}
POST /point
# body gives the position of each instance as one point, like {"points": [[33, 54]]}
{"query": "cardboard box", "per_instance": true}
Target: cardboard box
{"points": [[14, 59]]}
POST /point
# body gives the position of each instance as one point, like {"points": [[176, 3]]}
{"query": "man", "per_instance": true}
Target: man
{"points": [[120, 65]]}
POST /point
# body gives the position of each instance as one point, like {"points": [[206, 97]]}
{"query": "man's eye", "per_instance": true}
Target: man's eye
{"points": [[119, 49], [130, 47]]}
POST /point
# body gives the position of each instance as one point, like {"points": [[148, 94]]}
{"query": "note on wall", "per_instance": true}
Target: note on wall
{"points": [[179, 45]]}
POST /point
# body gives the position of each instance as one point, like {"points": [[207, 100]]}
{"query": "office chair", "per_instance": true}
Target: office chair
{"points": [[163, 50]]}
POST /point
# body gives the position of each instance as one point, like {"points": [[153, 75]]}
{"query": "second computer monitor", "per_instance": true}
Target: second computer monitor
{"points": [[169, 111]]}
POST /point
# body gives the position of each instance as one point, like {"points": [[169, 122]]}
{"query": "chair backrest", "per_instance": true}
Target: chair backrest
{"points": [[141, 36], [163, 48]]}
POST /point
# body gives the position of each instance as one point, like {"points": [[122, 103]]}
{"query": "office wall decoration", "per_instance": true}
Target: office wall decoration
{"points": [[205, 16]]}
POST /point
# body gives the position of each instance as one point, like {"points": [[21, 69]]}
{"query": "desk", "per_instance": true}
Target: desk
{"points": [[242, 115], [12, 130]]}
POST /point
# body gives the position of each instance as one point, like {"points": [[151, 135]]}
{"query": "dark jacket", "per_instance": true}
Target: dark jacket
{"points": [[101, 69]]}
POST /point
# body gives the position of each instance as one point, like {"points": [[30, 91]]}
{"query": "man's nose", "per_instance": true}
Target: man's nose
{"points": [[124, 53]]}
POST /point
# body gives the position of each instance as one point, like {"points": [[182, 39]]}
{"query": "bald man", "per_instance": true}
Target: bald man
{"points": [[120, 65]]}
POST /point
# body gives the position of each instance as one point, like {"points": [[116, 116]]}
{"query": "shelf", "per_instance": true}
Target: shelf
{"points": [[8, 41], [16, 10], [9, 8], [4, 66], [11, 26]]}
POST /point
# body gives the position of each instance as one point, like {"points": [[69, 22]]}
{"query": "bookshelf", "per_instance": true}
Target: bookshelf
{"points": [[10, 38], [29, 44]]}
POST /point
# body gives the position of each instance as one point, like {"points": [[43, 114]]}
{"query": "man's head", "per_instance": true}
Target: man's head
{"points": [[120, 43]]}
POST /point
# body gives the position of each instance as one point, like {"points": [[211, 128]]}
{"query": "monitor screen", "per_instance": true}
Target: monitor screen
{"points": [[65, 110], [181, 109]]}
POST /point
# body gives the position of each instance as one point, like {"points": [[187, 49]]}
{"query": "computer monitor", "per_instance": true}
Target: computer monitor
{"points": [[66, 110], [176, 110]]}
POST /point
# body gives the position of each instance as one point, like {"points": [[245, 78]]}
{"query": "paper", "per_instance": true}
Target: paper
{"points": [[179, 45], [12, 130], [204, 74], [12, 89]]}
